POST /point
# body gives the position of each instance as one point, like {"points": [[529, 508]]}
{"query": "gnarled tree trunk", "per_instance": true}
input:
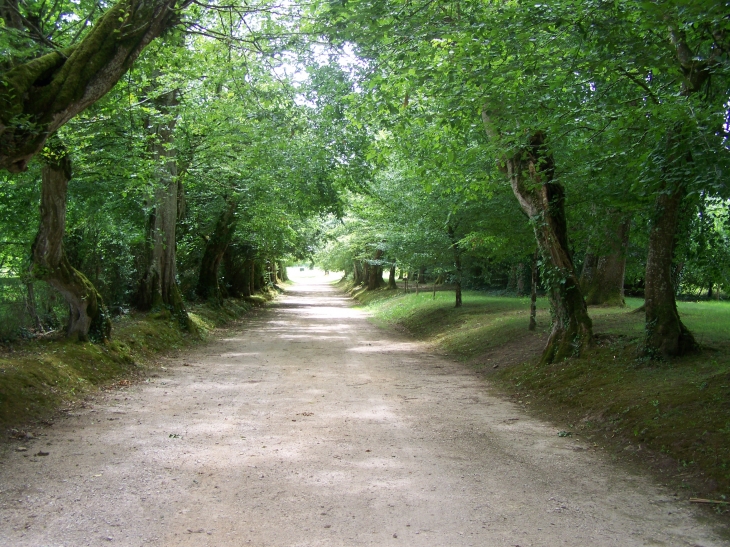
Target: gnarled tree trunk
{"points": [[215, 247], [88, 317], [41, 95], [530, 170], [158, 285]]}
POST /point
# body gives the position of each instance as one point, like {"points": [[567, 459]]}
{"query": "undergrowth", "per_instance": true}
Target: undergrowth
{"points": [[39, 376], [674, 413]]}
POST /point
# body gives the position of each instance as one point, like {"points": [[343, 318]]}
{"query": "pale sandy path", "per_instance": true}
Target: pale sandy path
{"points": [[310, 426]]}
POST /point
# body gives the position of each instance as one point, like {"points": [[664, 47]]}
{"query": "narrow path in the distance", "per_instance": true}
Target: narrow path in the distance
{"points": [[309, 426]]}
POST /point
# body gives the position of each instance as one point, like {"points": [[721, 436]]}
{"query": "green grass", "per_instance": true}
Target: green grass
{"points": [[678, 410], [483, 322], [39, 376]]}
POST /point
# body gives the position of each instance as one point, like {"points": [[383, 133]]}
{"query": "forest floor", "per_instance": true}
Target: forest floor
{"points": [[307, 425]]}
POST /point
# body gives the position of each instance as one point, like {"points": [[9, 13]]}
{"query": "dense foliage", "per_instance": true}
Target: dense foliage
{"points": [[444, 141]]}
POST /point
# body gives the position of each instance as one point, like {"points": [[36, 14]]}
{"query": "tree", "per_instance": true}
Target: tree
{"points": [[579, 74], [88, 316], [39, 96]]}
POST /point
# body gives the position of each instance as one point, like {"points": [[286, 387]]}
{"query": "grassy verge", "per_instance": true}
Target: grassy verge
{"points": [[675, 415], [40, 376]]}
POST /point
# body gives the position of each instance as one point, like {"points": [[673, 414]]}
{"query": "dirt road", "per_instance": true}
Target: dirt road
{"points": [[309, 426]]}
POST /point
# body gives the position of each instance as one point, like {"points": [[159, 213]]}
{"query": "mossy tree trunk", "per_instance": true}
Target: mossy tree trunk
{"points": [[88, 317], [158, 285], [530, 169], [602, 278], [215, 246], [41, 95]]}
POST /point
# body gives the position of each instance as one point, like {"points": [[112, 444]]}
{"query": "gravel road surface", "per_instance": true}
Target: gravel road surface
{"points": [[306, 425]]}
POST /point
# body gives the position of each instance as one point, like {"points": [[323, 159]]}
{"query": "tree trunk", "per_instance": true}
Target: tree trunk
{"points": [[88, 317], [32, 307], [457, 264], [533, 293], [391, 278], [375, 272], [357, 275], [590, 263], [215, 247], [530, 170], [158, 286], [282, 270], [10, 14], [666, 335], [520, 274], [237, 271], [602, 280], [43, 94], [257, 273]]}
